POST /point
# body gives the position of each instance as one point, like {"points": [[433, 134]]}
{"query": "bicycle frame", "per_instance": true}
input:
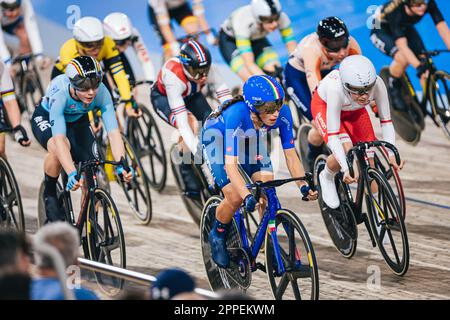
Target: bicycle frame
{"points": [[268, 221]]}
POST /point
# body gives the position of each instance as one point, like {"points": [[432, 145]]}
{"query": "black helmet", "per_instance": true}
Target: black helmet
{"points": [[84, 73], [195, 58], [333, 34]]}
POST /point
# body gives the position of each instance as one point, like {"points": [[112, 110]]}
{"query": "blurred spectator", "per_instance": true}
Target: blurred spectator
{"points": [[173, 284], [14, 266], [64, 238]]}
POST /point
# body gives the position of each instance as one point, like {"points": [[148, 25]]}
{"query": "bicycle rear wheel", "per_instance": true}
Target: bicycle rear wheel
{"points": [[340, 223], [386, 222], [219, 278], [440, 101], [11, 209], [295, 249], [145, 137], [137, 191], [193, 206], [105, 239], [32, 92]]}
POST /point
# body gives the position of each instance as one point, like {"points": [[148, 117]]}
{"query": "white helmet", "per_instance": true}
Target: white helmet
{"points": [[118, 26], [265, 8], [88, 29], [358, 75]]}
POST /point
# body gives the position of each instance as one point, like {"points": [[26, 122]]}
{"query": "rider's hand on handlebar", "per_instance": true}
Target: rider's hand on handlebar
{"points": [[43, 62], [348, 179], [134, 113], [307, 193], [21, 136], [394, 164], [126, 175], [72, 183]]}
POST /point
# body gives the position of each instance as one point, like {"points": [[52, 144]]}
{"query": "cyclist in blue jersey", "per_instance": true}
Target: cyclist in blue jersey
{"points": [[61, 125], [237, 134]]}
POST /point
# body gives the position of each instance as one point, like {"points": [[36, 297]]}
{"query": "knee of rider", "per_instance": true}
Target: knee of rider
{"points": [[315, 138]]}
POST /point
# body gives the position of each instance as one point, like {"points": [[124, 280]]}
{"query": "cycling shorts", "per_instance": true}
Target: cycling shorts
{"points": [[301, 96], [83, 146], [180, 14], [385, 42], [251, 161], [261, 48], [195, 104], [356, 125]]}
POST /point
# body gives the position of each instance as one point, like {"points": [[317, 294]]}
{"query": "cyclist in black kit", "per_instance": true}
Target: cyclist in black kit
{"points": [[396, 37]]}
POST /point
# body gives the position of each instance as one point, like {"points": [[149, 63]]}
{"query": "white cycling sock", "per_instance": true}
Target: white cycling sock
{"points": [[328, 174]]}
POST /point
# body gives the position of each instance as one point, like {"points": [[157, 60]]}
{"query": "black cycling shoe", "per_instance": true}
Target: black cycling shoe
{"points": [[53, 209], [190, 180]]}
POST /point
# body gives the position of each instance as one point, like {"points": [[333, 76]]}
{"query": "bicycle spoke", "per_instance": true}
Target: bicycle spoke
{"points": [[282, 286], [296, 290]]}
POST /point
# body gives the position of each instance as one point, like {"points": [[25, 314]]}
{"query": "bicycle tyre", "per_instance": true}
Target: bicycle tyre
{"points": [[97, 249], [216, 276], [288, 218], [440, 101], [193, 206], [10, 194], [400, 267], [144, 135], [344, 239], [138, 186], [391, 174]]}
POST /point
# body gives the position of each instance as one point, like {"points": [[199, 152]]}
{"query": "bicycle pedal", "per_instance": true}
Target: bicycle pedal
{"points": [[260, 266]]}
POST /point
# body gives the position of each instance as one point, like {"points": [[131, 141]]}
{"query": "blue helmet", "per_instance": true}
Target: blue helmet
{"points": [[260, 89]]}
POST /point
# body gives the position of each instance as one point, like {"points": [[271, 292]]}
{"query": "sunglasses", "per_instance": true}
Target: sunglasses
{"points": [[198, 73], [122, 42], [92, 44], [335, 45], [360, 91], [270, 19], [269, 107], [419, 3]]}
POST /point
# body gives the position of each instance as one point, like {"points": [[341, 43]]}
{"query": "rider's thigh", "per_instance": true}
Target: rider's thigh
{"points": [[263, 176], [314, 136], [2, 145], [51, 145]]}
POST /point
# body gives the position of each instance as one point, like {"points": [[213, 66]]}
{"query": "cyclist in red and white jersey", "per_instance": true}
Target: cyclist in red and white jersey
{"points": [[178, 100], [340, 114]]}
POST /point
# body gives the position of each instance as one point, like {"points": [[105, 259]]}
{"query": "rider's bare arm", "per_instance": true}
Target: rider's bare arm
{"points": [[312, 68], [444, 32], [354, 47], [199, 12], [250, 64], [294, 165]]}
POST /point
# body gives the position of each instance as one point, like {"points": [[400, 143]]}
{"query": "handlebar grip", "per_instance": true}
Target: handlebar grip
{"points": [[78, 176]]}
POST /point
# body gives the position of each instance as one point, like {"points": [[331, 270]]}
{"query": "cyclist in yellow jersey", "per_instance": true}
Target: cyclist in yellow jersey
{"points": [[89, 39]]}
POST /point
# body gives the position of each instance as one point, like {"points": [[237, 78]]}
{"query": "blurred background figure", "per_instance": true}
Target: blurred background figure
{"points": [[14, 266], [63, 238], [174, 284]]}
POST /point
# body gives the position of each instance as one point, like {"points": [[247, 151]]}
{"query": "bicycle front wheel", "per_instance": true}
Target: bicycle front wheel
{"points": [[440, 100], [137, 191], [146, 139], [386, 222], [296, 254], [11, 209], [105, 239]]}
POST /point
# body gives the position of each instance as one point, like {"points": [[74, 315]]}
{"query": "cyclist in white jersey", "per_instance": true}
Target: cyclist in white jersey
{"points": [[243, 39], [340, 114], [119, 27], [8, 101], [18, 19]]}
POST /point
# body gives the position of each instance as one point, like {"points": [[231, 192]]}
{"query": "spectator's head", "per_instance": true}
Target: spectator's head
{"points": [[63, 237], [14, 253], [170, 283]]}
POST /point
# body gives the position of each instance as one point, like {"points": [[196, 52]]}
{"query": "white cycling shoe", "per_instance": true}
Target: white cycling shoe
{"points": [[328, 189]]}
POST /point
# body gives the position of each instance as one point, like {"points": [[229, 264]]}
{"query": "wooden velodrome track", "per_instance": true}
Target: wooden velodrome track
{"points": [[172, 239]]}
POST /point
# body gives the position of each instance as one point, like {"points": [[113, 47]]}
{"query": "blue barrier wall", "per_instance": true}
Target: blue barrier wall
{"points": [[304, 15]]}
